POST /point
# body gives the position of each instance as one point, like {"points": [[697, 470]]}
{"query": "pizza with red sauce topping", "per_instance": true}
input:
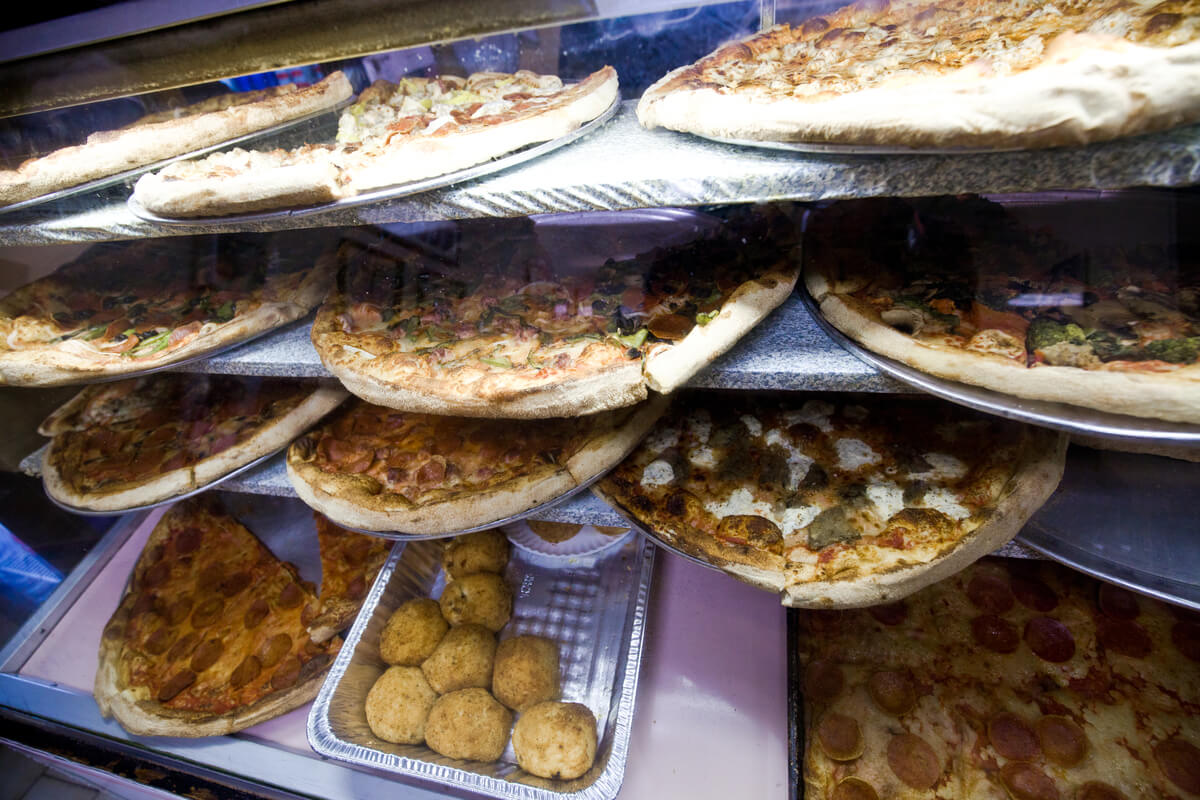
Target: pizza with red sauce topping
{"points": [[143, 440], [126, 307], [377, 469], [834, 501], [496, 328], [1012, 679], [959, 289]]}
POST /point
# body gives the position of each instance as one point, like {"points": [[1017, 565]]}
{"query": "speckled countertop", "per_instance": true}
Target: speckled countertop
{"points": [[622, 165]]}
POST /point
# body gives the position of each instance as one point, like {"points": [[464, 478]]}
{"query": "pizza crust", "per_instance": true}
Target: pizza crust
{"points": [[1088, 88], [1144, 447], [258, 190], [185, 479], [1173, 396], [110, 152], [668, 369]]}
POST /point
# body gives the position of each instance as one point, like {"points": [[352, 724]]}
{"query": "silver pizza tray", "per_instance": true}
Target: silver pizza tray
{"points": [[390, 192], [594, 608], [121, 177], [825, 148], [87, 512], [1059, 416], [1149, 547]]}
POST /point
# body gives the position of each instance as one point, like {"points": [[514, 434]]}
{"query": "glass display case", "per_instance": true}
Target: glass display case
{"points": [[703, 699]]}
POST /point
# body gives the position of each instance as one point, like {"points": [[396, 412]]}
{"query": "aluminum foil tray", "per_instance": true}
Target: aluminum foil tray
{"points": [[594, 607]]}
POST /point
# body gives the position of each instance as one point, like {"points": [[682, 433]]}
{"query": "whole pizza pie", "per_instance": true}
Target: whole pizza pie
{"points": [[831, 500], [377, 469], [394, 133], [958, 289], [168, 133], [976, 73], [123, 308], [212, 633], [143, 440], [499, 331], [1012, 679]]}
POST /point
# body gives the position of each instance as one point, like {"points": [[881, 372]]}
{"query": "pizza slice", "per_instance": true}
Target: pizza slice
{"points": [[395, 133], [494, 328], [141, 441], [834, 501], [167, 133], [349, 563], [211, 635], [373, 468], [126, 307]]}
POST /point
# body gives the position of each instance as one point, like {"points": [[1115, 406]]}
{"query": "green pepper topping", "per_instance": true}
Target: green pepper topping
{"points": [[150, 346], [225, 312], [94, 332], [635, 339], [705, 317], [501, 361]]}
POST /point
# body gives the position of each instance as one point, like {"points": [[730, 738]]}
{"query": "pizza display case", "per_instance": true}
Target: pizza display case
{"points": [[706, 724]]}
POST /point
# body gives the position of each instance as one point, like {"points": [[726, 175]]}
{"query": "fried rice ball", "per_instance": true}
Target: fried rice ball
{"points": [[412, 632], [468, 724], [463, 659], [553, 532], [398, 705], [526, 672], [482, 598], [555, 740], [484, 551]]}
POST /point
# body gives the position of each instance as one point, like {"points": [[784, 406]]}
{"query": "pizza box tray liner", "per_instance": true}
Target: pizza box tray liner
{"points": [[593, 606]]}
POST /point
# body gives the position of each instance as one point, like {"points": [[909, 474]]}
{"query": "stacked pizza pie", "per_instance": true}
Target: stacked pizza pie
{"points": [[1013, 678]]}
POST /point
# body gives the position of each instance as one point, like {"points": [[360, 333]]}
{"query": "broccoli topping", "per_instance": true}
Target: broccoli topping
{"points": [[1045, 332], [1175, 351], [1109, 348]]}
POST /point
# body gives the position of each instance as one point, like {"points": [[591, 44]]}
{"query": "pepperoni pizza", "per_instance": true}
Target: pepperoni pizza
{"points": [[1009, 680]]}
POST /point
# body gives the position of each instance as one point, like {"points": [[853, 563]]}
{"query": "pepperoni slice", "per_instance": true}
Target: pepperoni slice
{"points": [[891, 614], [840, 737], [995, 633], [187, 540], [208, 612], [892, 691], [178, 610], [287, 674], [274, 649], [913, 761], [1180, 762], [1049, 639], [1033, 593], [1186, 638], [256, 613], [245, 672], [854, 789], [1124, 636], [1013, 737], [157, 574], [990, 593], [183, 647], [206, 655], [1027, 782], [290, 596], [235, 583], [210, 579], [823, 681], [177, 683], [159, 641], [1062, 740], [1095, 790], [1116, 602]]}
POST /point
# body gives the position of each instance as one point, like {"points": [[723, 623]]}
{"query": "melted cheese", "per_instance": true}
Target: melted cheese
{"points": [[657, 473], [888, 499], [946, 501], [945, 468], [854, 454], [752, 424], [662, 439]]}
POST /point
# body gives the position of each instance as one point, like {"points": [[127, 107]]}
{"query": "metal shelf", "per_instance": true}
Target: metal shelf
{"points": [[624, 166], [785, 351]]}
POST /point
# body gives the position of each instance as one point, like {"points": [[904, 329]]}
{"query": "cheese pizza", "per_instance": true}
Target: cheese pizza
{"points": [[143, 440], [394, 133], [962, 73], [167, 133], [500, 332], [834, 501], [958, 289], [377, 469], [127, 307], [1011, 679]]}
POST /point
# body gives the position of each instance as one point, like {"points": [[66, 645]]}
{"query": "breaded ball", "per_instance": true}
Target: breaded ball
{"points": [[483, 598], [555, 740], [412, 632], [526, 672], [468, 724], [398, 705], [553, 532], [463, 659], [484, 551]]}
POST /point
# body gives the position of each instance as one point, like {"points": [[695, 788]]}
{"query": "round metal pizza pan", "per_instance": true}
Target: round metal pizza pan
{"points": [[1059, 416], [121, 177], [390, 192], [646, 533], [529, 512], [87, 512], [1147, 546], [825, 148]]}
